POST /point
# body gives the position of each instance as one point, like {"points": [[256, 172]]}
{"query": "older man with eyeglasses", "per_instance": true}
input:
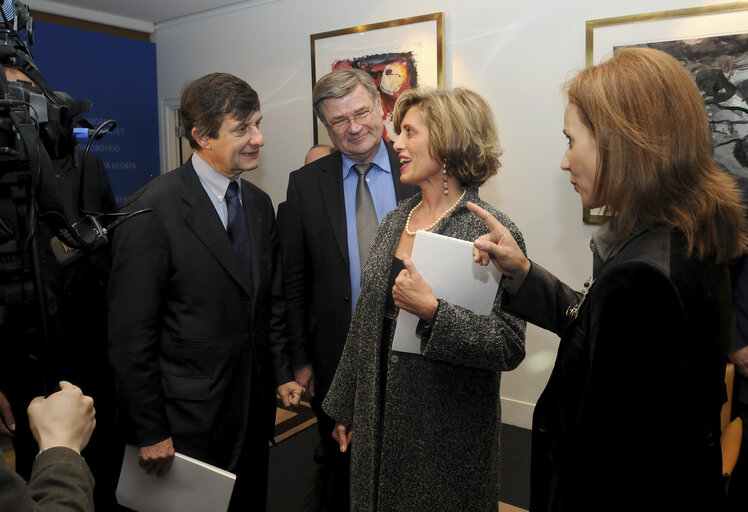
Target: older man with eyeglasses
{"points": [[327, 225]]}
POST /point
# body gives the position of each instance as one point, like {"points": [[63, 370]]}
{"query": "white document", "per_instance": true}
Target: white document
{"points": [[447, 265], [189, 486]]}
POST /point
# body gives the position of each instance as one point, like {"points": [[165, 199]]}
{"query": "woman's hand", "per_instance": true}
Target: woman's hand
{"points": [[499, 247], [412, 293], [342, 435]]}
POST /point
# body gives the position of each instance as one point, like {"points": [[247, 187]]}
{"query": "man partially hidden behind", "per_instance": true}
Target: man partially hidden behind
{"points": [[196, 318], [327, 226]]}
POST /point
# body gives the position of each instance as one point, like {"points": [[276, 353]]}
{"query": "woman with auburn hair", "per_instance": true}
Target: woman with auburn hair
{"points": [[424, 428], [630, 417]]}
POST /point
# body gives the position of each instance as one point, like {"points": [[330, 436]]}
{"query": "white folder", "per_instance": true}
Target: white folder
{"points": [[447, 265], [189, 486]]}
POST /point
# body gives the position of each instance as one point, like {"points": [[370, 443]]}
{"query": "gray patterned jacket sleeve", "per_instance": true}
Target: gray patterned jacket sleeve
{"points": [[460, 336]]}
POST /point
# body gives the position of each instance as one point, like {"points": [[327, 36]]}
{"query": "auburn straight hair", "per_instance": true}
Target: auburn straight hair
{"points": [[655, 153]]}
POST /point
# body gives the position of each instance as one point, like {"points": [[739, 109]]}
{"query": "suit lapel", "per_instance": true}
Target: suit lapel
{"points": [[331, 191], [201, 217], [254, 225], [333, 200], [402, 191]]}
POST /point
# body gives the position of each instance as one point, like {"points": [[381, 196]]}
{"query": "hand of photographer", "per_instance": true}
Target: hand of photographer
{"points": [[66, 418]]}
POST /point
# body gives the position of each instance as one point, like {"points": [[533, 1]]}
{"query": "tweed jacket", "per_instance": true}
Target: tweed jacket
{"points": [[434, 442], [60, 482], [630, 417]]}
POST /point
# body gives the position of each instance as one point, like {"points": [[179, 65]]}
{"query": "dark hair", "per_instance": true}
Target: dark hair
{"points": [[207, 100], [462, 132], [655, 152]]}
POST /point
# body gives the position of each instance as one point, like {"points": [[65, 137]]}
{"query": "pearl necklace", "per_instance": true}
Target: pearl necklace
{"points": [[438, 219]]}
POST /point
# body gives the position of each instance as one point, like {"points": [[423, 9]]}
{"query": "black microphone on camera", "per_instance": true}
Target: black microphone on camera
{"points": [[86, 235]]}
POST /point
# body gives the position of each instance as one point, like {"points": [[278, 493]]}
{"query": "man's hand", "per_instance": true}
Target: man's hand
{"points": [[7, 421], [66, 418], [740, 359], [342, 435], [157, 457], [290, 393], [500, 247], [304, 375]]}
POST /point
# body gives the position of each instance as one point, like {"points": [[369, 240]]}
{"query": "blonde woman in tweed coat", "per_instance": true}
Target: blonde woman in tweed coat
{"points": [[424, 428]]}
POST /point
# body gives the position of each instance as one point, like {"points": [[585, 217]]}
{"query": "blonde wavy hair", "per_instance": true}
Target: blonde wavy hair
{"points": [[462, 132]]}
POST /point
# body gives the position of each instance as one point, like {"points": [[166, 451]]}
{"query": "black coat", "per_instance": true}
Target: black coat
{"points": [[630, 418], [185, 331]]}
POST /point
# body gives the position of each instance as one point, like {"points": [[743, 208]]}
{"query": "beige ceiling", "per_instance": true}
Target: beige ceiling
{"points": [[147, 11]]}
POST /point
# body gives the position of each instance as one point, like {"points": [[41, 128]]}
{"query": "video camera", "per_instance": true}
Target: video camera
{"points": [[40, 133], [37, 127]]}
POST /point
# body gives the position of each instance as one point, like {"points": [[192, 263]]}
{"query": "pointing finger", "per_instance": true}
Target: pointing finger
{"points": [[488, 219]]}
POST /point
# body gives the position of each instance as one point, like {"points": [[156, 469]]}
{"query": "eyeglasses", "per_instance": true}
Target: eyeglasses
{"points": [[340, 125]]}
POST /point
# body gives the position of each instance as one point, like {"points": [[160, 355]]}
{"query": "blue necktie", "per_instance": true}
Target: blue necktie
{"points": [[237, 230]]}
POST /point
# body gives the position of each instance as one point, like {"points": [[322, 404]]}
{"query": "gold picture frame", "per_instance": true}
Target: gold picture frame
{"points": [[415, 46], [603, 34]]}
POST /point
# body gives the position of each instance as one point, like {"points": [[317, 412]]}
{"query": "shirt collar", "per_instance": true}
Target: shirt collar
{"points": [[599, 246], [381, 160], [217, 183], [602, 251]]}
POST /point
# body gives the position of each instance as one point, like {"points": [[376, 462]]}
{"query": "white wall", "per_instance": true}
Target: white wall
{"points": [[515, 53]]}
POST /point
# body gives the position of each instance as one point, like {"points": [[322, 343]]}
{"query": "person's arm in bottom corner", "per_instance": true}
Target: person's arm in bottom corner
{"points": [[60, 481]]}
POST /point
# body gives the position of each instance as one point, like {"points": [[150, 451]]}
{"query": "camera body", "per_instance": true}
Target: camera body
{"points": [[37, 128]]}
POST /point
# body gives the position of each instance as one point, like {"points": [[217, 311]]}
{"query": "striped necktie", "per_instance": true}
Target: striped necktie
{"points": [[366, 214]]}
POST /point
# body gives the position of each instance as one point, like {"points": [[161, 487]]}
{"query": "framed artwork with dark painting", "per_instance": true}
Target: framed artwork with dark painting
{"points": [[398, 54], [712, 43]]}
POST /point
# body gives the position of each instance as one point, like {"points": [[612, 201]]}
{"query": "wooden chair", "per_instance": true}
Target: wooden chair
{"points": [[732, 429]]}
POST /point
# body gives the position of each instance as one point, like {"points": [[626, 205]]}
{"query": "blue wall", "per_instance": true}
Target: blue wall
{"points": [[118, 75]]}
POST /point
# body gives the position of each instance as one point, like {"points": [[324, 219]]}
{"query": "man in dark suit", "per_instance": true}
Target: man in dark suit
{"points": [[323, 248], [196, 321]]}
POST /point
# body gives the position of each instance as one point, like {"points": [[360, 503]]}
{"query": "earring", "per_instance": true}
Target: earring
{"points": [[444, 176]]}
